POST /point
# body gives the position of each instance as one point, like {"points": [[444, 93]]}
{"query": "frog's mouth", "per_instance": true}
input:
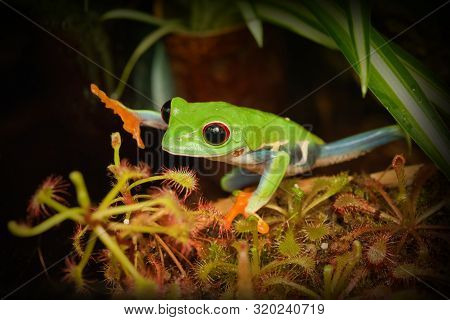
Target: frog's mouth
{"points": [[194, 149]]}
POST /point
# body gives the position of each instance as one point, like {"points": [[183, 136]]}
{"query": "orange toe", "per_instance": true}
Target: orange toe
{"points": [[262, 226], [237, 208], [131, 123]]}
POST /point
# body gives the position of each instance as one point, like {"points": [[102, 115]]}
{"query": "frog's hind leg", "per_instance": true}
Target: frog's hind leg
{"points": [[357, 145], [238, 178]]}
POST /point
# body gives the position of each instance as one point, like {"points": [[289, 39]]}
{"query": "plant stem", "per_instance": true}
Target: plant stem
{"points": [[141, 181], [46, 199], [327, 276], [87, 252], [356, 256], [82, 193], [173, 231], [307, 292], [277, 208], [388, 217], [375, 185], [100, 214], [255, 253], [114, 192], [178, 253], [112, 245], [430, 211], [26, 231], [171, 255], [244, 283]]}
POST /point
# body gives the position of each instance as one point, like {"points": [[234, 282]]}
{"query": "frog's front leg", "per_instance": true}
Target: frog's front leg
{"points": [[271, 178], [249, 203]]}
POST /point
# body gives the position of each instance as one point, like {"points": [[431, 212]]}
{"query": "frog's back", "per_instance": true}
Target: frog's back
{"points": [[265, 127], [277, 129]]}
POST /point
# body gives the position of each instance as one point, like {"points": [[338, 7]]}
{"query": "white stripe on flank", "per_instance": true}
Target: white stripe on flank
{"points": [[304, 147]]}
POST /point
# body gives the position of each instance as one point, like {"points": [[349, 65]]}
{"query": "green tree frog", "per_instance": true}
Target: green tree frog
{"points": [[262, 146]]}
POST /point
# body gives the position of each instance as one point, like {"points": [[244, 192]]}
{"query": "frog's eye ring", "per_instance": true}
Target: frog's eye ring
{"points": [[216, 133], [165, 111]]}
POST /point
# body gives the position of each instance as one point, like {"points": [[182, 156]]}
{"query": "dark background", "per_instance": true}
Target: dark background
{"points": [[51, 124]]}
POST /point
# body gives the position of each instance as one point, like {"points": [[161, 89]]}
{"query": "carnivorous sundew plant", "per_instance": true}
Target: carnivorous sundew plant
{"points": [[330, 237]]}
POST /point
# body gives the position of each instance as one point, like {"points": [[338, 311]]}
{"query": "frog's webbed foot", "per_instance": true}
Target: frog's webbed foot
{"points": [[249, 203], [239, 207], [131, 122]]}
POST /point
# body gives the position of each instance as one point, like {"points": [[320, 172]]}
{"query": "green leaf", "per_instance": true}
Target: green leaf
{"points": [[288, 246], [278, 280], [134, 15], [316, 232], [359, 23], [393, 85], [162, 87], [334, 22], [253, 23], [207, 15], [323, 189], [245, 226], [433, 87], [295, 18], [307, 263], [143, 46]]}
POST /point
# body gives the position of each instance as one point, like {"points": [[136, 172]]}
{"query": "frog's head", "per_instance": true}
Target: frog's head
{"points": [[204, 129]]}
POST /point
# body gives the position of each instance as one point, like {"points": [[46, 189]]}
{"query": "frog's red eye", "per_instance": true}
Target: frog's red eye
{"points": [[216, 133]]}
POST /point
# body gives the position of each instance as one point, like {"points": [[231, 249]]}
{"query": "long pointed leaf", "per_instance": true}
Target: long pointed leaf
{"points": [[394, 86], [134, 15], [143, 46], [162, 88], [359, 24], [297, 19], [401, 95], [435, 89], [334, 22], [252, 21]]}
